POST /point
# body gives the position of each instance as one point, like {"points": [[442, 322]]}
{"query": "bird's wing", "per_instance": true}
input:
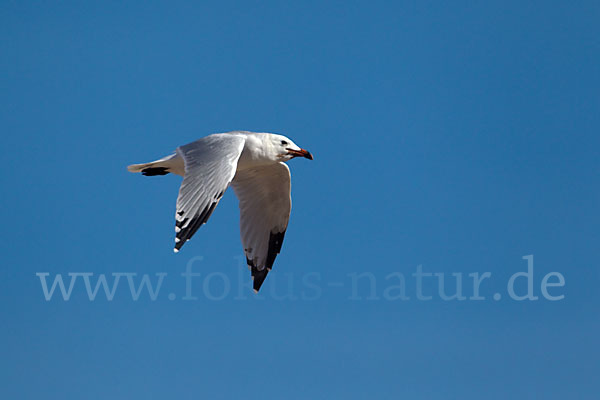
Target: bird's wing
{"points": [[210, 165], [265, 205]]}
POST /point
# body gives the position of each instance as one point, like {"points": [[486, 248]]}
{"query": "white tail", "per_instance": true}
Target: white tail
{"points": [[172, 163], [138, 167]]}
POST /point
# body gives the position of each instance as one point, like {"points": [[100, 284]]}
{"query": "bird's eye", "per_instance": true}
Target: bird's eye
{"points": [[284, 143]]}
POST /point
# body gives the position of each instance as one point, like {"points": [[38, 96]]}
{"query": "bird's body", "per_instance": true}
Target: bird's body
{"points": [[253, 163]]}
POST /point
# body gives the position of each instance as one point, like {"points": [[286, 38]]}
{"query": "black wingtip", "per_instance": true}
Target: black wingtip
{"points": [[259, 277], [184, 230], [275, 242]]}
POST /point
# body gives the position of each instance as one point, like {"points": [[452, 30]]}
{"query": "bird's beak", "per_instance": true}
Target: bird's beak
{"points": [[300, 153]]}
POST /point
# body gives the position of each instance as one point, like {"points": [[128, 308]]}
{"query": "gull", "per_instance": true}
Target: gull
{"points": [[254, 165]]}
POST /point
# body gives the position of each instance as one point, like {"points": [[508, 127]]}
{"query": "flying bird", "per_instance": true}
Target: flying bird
{"points": [[254, 165]]}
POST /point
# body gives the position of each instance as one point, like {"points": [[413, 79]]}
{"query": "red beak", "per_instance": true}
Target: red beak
{"points": [[300, 153]]}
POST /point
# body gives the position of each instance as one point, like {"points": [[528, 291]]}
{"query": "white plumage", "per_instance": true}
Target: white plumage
{"points": [[253, 163]]}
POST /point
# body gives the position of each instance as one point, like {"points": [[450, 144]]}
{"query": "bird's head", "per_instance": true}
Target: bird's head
{"points": [[286, 149]]}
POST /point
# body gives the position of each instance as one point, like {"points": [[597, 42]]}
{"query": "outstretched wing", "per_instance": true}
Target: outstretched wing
{"points": [[210, 165], [265, 205]]}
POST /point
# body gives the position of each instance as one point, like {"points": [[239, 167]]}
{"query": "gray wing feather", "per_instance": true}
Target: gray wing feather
{"points": [[210, 165]]}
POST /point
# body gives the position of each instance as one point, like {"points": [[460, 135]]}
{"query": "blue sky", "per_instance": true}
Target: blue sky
{"points": [[460, 137]]}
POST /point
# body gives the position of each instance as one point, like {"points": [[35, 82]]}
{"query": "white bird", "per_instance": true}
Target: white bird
{"points": [[253, 163]]}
